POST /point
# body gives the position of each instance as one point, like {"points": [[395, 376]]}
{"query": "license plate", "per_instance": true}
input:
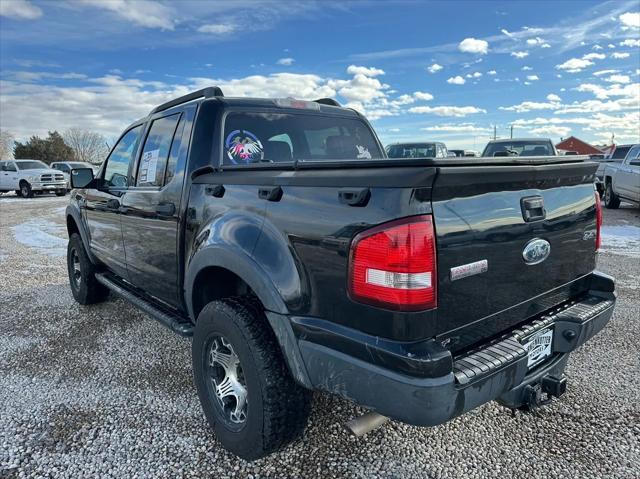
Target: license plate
{"points": [[538, 347]]}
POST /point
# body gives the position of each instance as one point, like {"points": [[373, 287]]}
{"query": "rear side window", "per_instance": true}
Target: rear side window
{"points": [[281, 137], [155, 153]]}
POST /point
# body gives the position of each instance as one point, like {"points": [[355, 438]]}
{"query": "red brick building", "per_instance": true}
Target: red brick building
{"points": [[574, 144]]}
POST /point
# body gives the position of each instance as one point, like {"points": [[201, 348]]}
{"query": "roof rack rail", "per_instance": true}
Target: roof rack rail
{"points": [[208, 92], [327, 101]]}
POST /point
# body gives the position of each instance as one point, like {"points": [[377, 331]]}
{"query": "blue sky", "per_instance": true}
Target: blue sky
{"points": [[419, 70]]}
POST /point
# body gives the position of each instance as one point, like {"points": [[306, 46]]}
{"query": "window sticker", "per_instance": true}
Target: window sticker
{"points": [[243, 147], [363, 152], [149, 166]]}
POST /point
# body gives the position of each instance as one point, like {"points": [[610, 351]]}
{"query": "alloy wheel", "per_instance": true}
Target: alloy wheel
{"points": [[228, 381]]}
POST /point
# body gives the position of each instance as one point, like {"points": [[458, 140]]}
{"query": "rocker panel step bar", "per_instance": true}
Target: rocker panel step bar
{"points": [[176, 323]]}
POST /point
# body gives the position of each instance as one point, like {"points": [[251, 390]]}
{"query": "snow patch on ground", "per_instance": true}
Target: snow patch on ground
{"points": [[622, 240], [47, 237]]}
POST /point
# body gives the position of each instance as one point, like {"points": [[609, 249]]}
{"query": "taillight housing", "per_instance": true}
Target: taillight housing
{"points": [[393, 265], [598, 221]]}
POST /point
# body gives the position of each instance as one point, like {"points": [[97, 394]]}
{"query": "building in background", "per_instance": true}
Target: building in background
{"points": [[581, 147]]}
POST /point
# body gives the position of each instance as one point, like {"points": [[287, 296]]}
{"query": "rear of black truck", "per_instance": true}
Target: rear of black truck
{"points": [[468, 280]]}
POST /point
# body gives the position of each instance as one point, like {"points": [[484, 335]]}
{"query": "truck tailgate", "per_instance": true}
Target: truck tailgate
{"points": [[485, 219]]}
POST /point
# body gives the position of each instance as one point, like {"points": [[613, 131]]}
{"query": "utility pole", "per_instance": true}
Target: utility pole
{"points": [[495, 131], [511, 132]]}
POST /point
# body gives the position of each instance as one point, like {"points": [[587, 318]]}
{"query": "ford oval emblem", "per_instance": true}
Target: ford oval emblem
{"points": [[536, 251]]}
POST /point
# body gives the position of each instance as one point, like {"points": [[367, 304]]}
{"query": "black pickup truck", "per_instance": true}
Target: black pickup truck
{"points": [[299, 257]]}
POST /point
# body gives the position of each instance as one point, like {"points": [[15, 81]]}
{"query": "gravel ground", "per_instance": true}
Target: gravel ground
{"points": [[105, 391]]}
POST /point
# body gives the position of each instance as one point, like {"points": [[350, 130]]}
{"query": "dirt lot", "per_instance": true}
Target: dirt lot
{"points": [[106, 391]]}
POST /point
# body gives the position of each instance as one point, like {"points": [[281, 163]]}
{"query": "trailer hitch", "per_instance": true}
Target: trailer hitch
{"points": [[542, 393]]}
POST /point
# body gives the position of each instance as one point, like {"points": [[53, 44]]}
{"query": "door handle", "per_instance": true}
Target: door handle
{"points": [[272, 193], [165, 209], [354, 197], [113, 204]]}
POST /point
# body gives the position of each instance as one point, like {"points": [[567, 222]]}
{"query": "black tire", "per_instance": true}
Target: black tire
{"points": [[25, 190], [19, 193], [277, 407], [611, 200], [61, 192], [84, 286]]}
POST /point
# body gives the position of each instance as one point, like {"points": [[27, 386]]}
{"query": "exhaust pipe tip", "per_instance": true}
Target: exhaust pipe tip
{"points": [[361, 425]]}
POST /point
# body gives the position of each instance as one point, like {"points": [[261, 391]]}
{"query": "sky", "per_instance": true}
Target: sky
{"points": [[448, 71]]}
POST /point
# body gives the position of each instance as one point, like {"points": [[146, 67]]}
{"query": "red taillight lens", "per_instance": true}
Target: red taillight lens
{"points": [[598, 221], [394, 265]]}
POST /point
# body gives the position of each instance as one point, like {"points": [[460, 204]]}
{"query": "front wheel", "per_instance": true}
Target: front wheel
{"points": [[84, 285], [247, 393], [61, 192], [25, 190], [611, 200]]}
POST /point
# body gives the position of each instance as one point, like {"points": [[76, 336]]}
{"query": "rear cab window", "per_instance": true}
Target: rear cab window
{"points": [[156, 152], [276, 137]]}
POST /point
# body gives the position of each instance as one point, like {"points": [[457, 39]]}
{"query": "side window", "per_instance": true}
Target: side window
{"points": [[116, 173], [155, 153], [10, 166], [633, 154]]}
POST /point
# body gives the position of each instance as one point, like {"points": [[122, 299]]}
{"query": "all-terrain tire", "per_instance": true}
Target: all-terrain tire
{"points": [[611, 200], [277, 407], [84, 285]]}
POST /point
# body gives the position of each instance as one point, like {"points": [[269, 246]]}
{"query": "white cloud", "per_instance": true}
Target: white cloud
{"points": [[553, 97], [368, 72], [473, 45], [144, 13], [473, 75], [604, 72], [618, 79], [434, 68], [457, 80], [394, 130], [533, 77], [422, 95], [551, 131], [519, 54], [19, 9], [527, 106], [492, 72], [630, 19], [628, 94], [594, 56], [545, 45], [596, 47], [620, 55], [611, 45], [217, 28], [535, 41], [458, 128], [526, 68], [630, 42], [574, 65], [286, 61], [507, 32], [456, 111]]}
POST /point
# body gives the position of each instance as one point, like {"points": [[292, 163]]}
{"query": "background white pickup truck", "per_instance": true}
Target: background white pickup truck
{"points": [[27, 177], [622, 180]]}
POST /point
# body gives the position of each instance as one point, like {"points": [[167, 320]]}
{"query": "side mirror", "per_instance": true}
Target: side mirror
{"points": [[81, 178]]}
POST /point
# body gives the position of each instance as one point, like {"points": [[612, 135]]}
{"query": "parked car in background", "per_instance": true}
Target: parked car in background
{"points": [[434, 149], [67, 166], [464, 153], [622, 179], [520, 147], [27, 177]]}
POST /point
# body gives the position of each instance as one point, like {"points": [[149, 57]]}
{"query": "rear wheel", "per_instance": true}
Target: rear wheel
{"points": [[611, 200], [84, 286], [25, 190], [247, 393]]}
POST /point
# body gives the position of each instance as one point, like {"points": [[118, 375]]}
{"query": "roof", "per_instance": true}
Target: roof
{"points": [[510, 140], [576, 144]]}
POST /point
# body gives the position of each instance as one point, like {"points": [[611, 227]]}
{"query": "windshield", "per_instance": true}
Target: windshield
{"points": [[281, 137], [421, 150], [620, 153], [519, 148], [31, 165]]}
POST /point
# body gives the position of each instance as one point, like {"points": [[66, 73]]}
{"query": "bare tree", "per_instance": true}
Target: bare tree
{"points": [[87, 145], [6, 145]]}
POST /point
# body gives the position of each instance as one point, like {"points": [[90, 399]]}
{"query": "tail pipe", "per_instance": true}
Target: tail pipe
{"points": [[361, 425]]}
